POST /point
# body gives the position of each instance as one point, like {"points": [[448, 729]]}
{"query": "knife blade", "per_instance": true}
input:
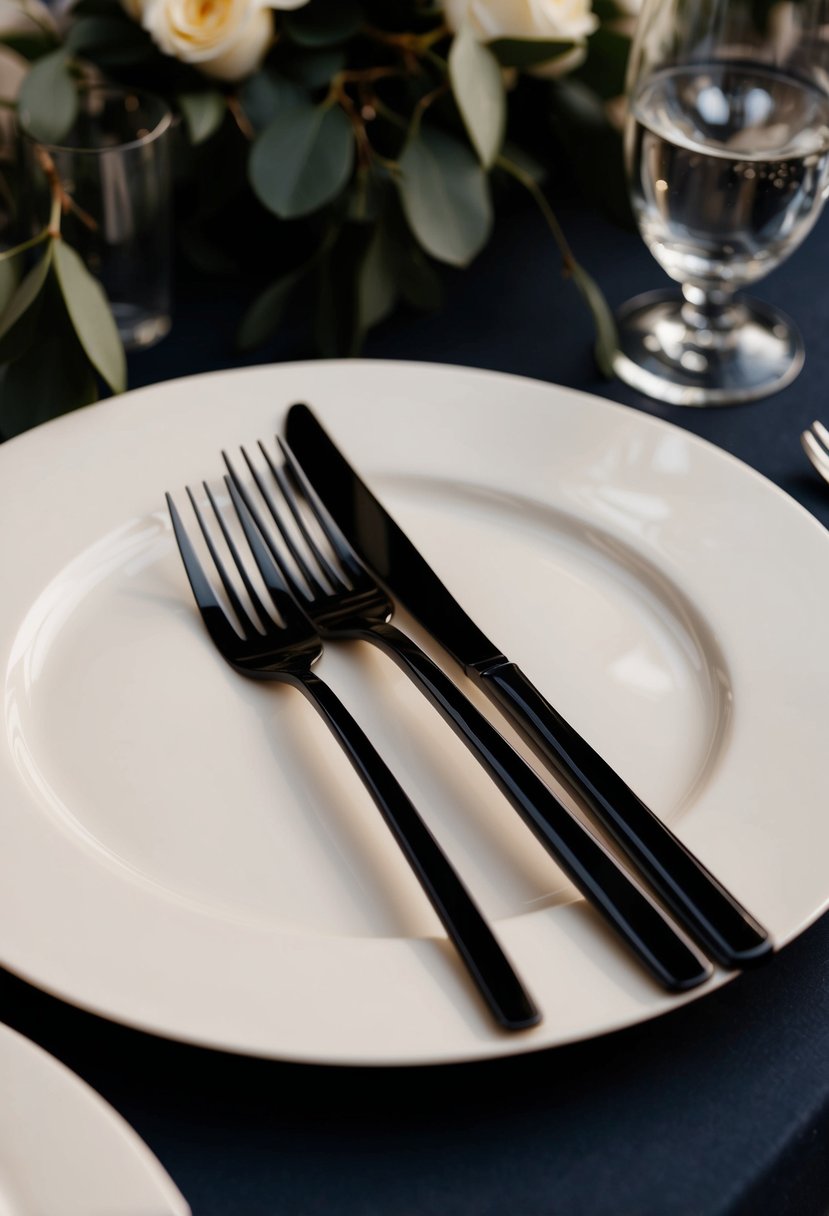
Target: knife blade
{"points": [[698, 900]]}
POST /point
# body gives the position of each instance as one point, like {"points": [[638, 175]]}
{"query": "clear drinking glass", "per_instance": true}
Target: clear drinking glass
{"points": [[114, 166], [727, 153]]}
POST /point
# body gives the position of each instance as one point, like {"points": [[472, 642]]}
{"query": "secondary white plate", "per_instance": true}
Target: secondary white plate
{"points": [[188, 852], [64, 1151]]}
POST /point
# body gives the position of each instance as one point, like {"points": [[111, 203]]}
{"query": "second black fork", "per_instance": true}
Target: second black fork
{"points": [[344, 601]]}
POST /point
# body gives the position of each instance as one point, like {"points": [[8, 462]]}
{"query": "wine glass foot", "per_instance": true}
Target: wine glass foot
{"points": [[663, 356]]}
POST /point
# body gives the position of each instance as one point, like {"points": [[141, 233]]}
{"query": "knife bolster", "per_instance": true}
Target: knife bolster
{"points": [[488, 667]]}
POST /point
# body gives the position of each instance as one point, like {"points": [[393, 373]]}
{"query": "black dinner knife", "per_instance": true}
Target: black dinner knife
{"points": [[729, 933]]}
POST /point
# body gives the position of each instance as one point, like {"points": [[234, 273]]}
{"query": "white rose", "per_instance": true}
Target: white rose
{"points": [[551, 20], [226, 39]]}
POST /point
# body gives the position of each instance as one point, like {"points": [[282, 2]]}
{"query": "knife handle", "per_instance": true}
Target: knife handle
{"points": [[592, 869], [700, 903]]}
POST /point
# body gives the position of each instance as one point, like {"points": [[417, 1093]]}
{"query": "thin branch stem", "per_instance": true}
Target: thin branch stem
{"points": [[54, 217], [423, 105], [8, 254], [397, 120], [529, 184], [367, 75], [407, 43], [364, 148], [437, 61], [61, 201]]}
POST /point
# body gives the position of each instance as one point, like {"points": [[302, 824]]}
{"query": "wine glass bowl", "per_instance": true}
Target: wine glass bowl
{"points": [[727, 155]]}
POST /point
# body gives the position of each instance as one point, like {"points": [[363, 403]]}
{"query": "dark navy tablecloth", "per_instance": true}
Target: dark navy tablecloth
{"points": [[718, 1109]]}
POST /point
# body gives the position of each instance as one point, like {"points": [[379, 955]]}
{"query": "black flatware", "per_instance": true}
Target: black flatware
{"points": [[344, 601], [285, 651], [729, 933]]}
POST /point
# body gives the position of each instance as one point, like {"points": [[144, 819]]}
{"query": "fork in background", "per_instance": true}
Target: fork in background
{"points": [[285, 651], [343, 601], [815, 441]]}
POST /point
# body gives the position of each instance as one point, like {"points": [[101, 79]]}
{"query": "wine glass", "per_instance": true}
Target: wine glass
{"points": [[727, 155]]}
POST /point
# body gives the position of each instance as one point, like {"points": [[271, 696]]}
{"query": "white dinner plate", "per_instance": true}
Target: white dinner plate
{"points": [[188, 852], [64, 1151]]}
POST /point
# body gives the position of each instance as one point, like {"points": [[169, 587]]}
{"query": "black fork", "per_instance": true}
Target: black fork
{"points": [[343, 601], [286, 651]]}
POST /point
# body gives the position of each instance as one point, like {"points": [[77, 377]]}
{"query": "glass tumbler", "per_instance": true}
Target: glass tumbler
{"points": [[114, 169], [727, 152]]}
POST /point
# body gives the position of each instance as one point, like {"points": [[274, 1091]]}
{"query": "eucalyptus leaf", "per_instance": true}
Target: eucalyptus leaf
{"points": [[302, 159], [9, 279], [112, 31], [337, 323], [48, 100], [607, 339], [113, 43], [315, 68], [419, 282], [91, 317], [265, 94], [18, 321], [52, 378], [367, 195], [95, 8], [527, 52], [478, 88], [377, 279], [323, 22], [445, 196], [205, 254], [265, 314], [203, 113]]}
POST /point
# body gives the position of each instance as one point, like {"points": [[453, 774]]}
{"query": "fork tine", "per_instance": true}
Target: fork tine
{"points": [[310, 578], [817, 454], [822, 433], [335, 538], [299, 591], [334, 578], [272, 574], [202, 590], [234, 553], [212, 612], [243, 616]]}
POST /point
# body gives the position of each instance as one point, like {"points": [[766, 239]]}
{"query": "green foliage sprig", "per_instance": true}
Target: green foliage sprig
{"points": [[359, 158], [57, 334]]}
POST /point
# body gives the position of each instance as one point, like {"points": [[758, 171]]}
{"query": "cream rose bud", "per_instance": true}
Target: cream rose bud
{"points": [[552, 20], [226, 39]]}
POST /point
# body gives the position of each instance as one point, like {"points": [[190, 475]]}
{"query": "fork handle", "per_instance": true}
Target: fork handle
{"points": [[727, 931], [592, 869], [486, 962]]}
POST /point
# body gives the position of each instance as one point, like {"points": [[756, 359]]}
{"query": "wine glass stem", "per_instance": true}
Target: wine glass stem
{"points": [[708, 310]]}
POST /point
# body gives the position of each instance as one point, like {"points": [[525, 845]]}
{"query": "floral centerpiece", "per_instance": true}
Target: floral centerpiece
{"points": [[341, 150]]}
